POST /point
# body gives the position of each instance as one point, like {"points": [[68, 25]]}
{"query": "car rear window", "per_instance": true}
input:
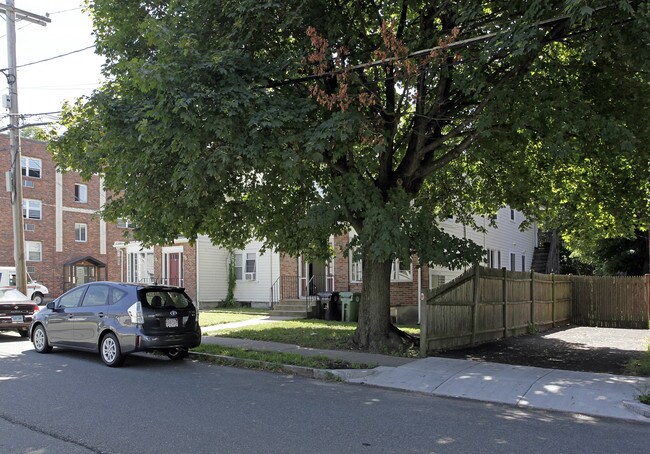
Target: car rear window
{"points": [[166, 299]]}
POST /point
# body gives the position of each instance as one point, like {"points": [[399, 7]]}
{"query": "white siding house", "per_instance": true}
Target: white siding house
{"points": [[506, 245], [256, 272]]}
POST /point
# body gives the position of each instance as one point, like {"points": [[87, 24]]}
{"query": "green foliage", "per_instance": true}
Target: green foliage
{"points": [[225, 119], [34, 133], [230, 300]]}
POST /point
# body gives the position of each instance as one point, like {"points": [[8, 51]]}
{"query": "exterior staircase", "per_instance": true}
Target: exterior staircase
{"points": [[297, 308], [540, 259]]}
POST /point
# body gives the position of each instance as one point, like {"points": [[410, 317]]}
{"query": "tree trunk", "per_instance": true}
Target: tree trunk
{"points": [[374, 331]]}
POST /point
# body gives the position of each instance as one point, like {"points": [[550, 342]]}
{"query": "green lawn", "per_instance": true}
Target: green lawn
{"points": [[278, 358], [305, 333], [220, 316]]}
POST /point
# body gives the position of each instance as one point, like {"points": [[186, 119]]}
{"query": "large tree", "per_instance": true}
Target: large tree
{"points": [[291, 121]]}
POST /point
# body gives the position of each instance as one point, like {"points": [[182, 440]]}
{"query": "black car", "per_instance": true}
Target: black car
{"points": [[116, 319], [16, 311]]}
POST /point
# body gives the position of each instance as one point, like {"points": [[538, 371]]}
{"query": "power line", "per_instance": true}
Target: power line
{"points": [[53, 58]]}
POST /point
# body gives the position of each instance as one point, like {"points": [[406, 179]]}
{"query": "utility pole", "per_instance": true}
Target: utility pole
{"points": [[16, 178]]}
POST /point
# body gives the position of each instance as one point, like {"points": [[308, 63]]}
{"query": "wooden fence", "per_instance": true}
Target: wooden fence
{"points": [[611, 301], [485, 304]]}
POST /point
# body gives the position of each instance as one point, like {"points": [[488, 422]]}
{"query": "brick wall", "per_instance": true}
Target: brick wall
{"points": [[50, 270]]}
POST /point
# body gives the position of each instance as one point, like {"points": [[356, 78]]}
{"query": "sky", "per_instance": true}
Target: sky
{"points": [[43, 87]]}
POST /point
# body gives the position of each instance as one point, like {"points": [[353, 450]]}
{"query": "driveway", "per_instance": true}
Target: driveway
{"points": [[579, 348]]}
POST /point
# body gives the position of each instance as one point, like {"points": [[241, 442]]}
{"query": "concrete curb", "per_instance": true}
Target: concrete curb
{"points": [[637, 407], [301, 371]]}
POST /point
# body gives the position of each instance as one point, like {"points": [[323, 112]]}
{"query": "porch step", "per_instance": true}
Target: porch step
{"points": [[293, 308]]}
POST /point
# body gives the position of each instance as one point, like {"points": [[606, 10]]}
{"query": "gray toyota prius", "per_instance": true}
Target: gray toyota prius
{"points": [[116, 319]]}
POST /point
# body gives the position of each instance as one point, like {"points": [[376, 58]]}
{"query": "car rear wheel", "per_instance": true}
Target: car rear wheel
{"points": [[177, 353], [39, 339], [37, 298], [110, 351]]}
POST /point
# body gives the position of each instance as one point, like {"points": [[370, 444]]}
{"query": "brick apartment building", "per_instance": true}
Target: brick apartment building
{"points": [[66, 242]]}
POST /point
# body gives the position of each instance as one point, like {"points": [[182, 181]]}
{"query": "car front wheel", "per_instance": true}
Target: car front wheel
{"points": [[110, 351], [177, 353], [39, 339]]}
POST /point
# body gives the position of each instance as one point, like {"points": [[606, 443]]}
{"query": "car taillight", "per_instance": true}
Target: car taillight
{"points": [[36, 309], [135, 312]]}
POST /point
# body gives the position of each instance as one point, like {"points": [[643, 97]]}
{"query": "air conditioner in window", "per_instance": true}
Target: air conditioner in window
{"points": [[249, 276]]}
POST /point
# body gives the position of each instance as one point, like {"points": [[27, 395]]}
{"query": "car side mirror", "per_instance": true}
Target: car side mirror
{"points": [[50, 305]]}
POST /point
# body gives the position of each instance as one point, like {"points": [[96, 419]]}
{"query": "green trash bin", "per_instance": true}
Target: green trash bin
{"points": [[350, 306]]}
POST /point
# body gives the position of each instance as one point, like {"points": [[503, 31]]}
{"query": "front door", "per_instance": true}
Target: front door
{"points": [[174, 273]]}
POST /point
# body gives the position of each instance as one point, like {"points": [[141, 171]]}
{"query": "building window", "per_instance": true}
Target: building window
{"points": [[124, 223], [245, 266], [31, 167], [28, 184], [140, 267], [31, 209], [523, 263], [34, 251], [513, 261], [512, 214], [81, 233], [499, 259], [435, 280], [401, 271], [81, 193]]}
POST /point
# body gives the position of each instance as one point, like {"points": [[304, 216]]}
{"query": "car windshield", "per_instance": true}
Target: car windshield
{"points": [[165, 298], [11, 294]]}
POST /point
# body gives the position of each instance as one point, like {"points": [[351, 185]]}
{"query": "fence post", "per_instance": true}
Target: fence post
{"points": [[424, 325], [553, 296], [532, 297], [505, 302], [476, 296]]}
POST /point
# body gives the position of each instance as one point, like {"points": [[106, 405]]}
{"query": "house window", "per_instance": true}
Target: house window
{"points": [[34, 251], [245, 266], [491, 261], [31, 167], [513, 261], [512, 214], [523, 263], [80, 233], [31, 209], [401, 271], [499, 259], [140, 267], [435, 280], [356, 271], [81, 193]]}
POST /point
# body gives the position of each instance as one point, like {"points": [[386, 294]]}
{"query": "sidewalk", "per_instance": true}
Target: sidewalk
{"points": [[593, 394]]}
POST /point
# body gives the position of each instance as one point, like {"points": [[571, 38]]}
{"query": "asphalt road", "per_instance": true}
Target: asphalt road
{"points": [[69, 402]]}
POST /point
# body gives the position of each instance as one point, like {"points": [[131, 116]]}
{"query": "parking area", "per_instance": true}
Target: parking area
{"points": [[579, 348]]}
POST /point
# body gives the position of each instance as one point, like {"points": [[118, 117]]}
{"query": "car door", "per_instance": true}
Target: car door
{"points": [[89, 316], [60, 323]]}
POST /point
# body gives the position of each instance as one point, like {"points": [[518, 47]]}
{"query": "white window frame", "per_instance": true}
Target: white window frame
{"points": [[140, 266], [437, 278], [399, 274], [124, 224], [81, 193], [25, 167], [33, 247], [32, 204], [245, 265], [81, 232]]}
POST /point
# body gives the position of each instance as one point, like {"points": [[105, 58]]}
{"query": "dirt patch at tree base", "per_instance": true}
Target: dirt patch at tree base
{"points": [[603, 350]]}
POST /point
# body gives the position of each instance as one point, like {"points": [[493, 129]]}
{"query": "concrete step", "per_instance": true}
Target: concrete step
{"points": [[290, 313]]}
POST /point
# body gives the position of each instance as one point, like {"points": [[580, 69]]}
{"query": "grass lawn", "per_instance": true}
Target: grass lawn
{"points": [[220, 316], [279, 358], [307, 333]]}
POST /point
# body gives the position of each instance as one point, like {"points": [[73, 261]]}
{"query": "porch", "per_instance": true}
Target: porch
{"points": [[295, 296]]}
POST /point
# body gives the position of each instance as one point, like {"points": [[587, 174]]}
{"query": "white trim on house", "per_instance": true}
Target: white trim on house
{"points": [[58, 191]]}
